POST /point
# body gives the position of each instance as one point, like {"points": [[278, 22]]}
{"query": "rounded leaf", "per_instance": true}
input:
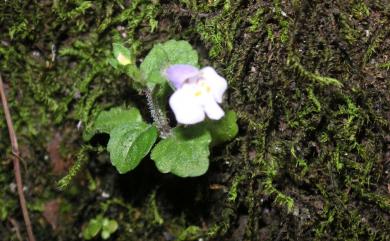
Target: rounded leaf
{"points": [[164, 55], [108, 120], [185, 153], [129, 144], [224, 129], [92, 229]]}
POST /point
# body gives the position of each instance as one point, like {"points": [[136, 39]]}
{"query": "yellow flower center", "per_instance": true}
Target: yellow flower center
{"points": [[203, 88]]}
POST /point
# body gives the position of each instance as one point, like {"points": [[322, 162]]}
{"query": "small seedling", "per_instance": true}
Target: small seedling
{"points": [[105, 226]]}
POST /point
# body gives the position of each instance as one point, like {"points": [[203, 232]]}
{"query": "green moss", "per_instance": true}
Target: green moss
{"points": [[348, 31], [293, 61], [385, 65], [257, 20], [283, 21], [270, 171], [76, 168], [190, 233], [153, 209], [374, 45], [77, 10], [233, 189], [300, 162], [219, 31], [360, 10]]}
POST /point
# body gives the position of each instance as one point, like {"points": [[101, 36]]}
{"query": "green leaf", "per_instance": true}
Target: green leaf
{"points": [[111, 226], [105, 234], [113, 62], [129, 143], [222, 130], [185, 153], [92, 229], [108, 120], [162, 56]]}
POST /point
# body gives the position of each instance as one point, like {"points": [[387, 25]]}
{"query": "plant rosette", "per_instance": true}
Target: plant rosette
{"points": [[170, 75]]}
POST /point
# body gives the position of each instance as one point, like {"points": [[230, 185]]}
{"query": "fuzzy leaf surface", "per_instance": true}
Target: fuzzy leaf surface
{"points": [[222, 130], [162, 56], [185, 153], [108, 120], [129, 144]]}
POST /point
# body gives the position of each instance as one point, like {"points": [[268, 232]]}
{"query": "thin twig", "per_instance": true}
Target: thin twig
{"points": [[16, 228], [15, 160]]}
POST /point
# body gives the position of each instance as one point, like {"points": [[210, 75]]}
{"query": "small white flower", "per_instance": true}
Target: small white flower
{"points": [[197, 94]]}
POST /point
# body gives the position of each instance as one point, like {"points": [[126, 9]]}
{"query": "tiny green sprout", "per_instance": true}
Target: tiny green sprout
{"points": [[169, 74], [105, 226]]}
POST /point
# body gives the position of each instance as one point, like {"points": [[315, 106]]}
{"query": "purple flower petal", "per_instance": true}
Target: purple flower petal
{"points": [[177, 74]]}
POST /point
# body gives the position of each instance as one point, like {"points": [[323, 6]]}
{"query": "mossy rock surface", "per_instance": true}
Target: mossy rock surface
{"points": [[309, 81]]}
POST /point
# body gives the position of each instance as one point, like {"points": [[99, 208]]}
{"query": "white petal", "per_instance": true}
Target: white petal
{"points": [[217, 83], [212, 109], [185, 105]]}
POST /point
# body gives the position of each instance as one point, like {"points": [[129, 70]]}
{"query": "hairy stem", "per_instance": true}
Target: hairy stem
{"points": [[158, 115]]}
